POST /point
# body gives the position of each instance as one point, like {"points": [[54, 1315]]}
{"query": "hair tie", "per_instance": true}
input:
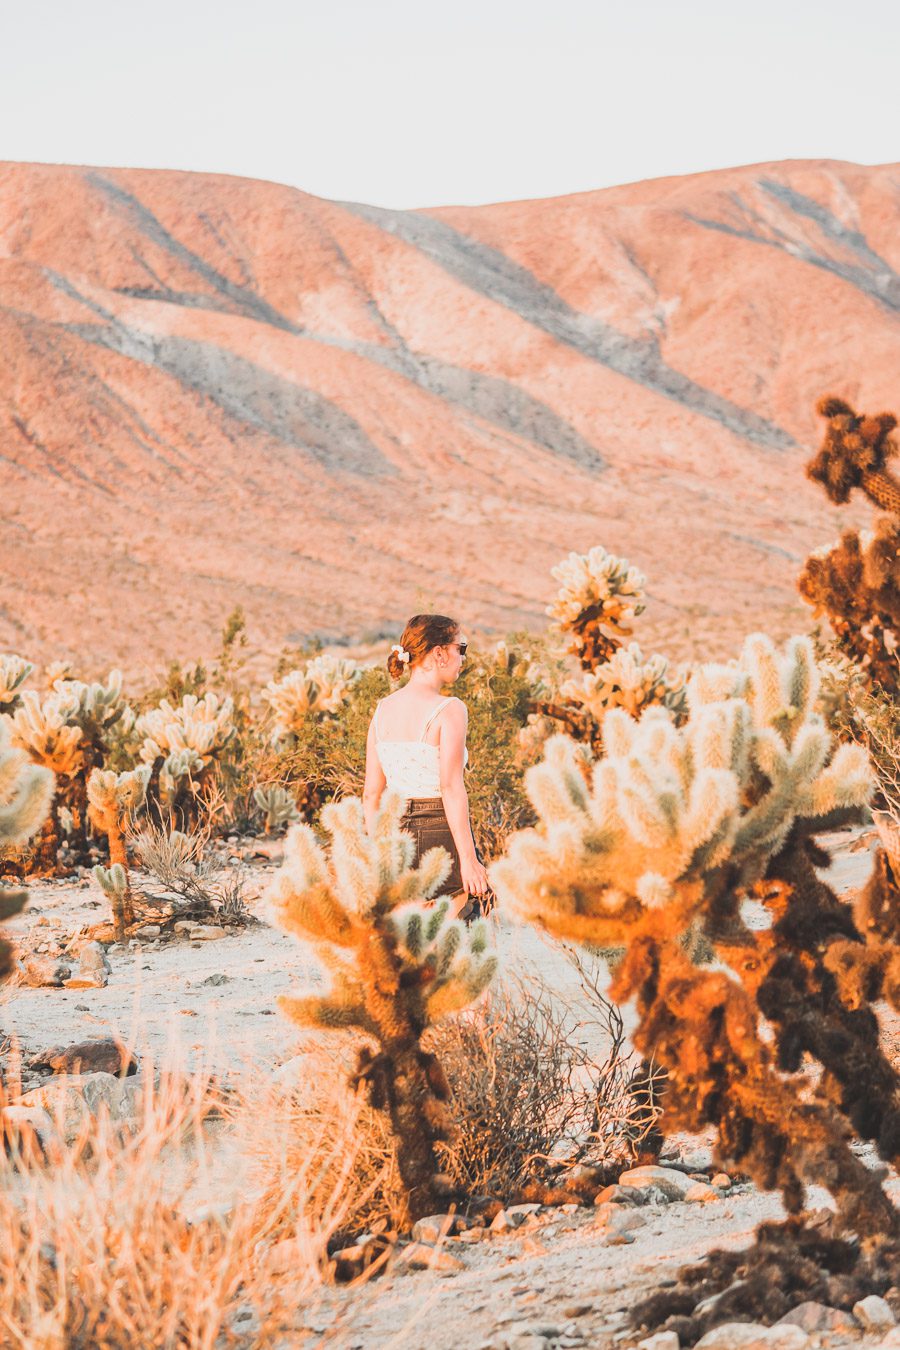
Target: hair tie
{"points": [[402, 655]]}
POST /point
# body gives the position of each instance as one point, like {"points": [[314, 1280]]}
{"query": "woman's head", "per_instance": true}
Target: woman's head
{"points": [[428, 641]]}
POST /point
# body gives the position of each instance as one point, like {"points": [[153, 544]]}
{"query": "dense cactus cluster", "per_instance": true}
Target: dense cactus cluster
{"points": [[68, 730], [181, 743], [26, 791], [626, 681], [599, 598], [396, 967], [322, 685], [855, 583], [681, 827]]}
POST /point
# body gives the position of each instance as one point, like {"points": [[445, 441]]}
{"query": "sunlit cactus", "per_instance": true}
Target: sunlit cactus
{"points": [[627, 681], [599, 597], [672, 829], [278, 805], [184, 743], [26, 791], [68, 730], [322, 685], [114, 801], [14, 671], [396, 966]]}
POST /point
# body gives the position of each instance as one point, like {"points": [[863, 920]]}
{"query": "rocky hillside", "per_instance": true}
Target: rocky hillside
{"points": [[217, 391]]}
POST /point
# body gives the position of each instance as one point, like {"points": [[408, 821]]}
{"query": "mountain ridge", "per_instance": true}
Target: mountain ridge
{"points": [[336, 414]]}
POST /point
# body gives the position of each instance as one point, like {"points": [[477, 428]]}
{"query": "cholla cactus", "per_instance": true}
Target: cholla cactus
{"points": [[14, 671], [396, 966], [628, 682], [598, 600], [672, 830], [279, 806], [114, 884], [67, 730], [855, 454], [322, 685], [856, 582], [184, 744], [26, 791], [114, 800]]}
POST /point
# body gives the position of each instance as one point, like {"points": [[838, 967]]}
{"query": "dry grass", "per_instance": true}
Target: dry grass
{"points": [[179, 1234]]}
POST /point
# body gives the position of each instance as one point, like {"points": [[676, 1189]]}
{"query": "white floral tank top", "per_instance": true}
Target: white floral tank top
{"points": [[412, 768]]}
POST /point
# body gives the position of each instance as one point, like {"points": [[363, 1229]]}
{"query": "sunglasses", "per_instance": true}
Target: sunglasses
{"points": [[463, 647]]}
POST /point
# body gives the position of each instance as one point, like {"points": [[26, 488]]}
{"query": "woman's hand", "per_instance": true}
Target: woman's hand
{"points": [[474, 877]]}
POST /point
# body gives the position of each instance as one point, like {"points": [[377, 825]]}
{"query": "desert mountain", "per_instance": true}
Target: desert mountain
{"points": [[217, 391]]}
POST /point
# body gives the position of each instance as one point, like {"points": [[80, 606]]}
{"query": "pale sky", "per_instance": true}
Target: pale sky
{"points": [[409, 103]]}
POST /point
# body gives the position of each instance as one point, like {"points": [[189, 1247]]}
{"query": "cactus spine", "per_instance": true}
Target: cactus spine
{"points": [[396, 967]]}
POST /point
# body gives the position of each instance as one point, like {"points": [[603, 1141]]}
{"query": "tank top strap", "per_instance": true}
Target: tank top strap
{"points": [[375, 719], [443, 703]]}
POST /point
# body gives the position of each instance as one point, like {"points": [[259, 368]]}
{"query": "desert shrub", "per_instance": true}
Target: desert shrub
{"points": [[679, 826], [203, 887], [527, 1096], [166, 1234], [26, 791]]}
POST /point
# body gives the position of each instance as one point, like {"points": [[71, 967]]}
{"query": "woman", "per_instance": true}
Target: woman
{"points": [[416, 747]]}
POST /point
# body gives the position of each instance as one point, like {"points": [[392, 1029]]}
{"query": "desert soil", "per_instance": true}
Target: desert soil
{"points": [[562, 1274]]}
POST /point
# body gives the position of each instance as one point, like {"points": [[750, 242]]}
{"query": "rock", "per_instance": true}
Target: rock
{"points": [[673, 1183], [206, 932], [69, 1099], [618, 1218], [103, 1054], [473, 1235], [27, 1129], [721, 1181], [699, 1159], [92, 960], [46, 972], [435, 1228], [753, 1336], [213, 981], [148, 931], [88, 981], [701, 1194], [874, 1314], [891, 1340], [522, 1212], [419, 1256], [818, 1317], [663, 1340], [571, 1310], [619, 1195]]}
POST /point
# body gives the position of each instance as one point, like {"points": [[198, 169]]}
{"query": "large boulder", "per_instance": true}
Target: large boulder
{"points": [[72, 1100]]}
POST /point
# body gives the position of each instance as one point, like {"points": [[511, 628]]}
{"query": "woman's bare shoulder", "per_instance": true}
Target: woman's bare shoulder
{"points": [[456, 707]]}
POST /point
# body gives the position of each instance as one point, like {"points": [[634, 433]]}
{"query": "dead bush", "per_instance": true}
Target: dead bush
{"points": [[530, 1101]]}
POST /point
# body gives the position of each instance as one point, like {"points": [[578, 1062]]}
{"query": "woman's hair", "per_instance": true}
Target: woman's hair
{"points": [[422, 633]]}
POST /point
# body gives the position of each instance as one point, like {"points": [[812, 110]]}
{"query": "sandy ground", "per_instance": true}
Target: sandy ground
{"points": [[561, 1275]]}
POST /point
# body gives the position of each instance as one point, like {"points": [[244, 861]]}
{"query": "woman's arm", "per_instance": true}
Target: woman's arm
{"points": [[375, 780], [453, 723]]}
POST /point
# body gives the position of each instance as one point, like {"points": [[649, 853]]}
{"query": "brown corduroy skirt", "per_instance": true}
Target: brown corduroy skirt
{"points": [[426, 820]]}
